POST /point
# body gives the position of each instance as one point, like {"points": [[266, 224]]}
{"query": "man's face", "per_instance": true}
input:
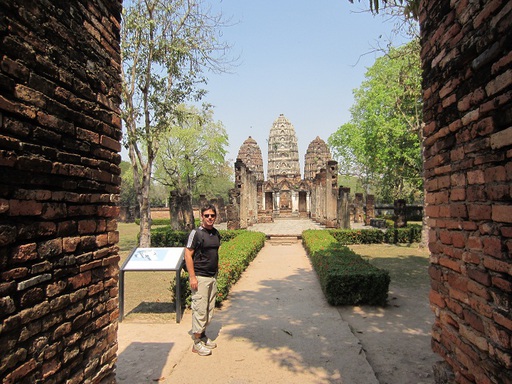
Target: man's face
{"points": [[208, 218]]}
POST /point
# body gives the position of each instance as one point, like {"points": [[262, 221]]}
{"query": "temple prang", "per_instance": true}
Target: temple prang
{"points": [[284, 193]]}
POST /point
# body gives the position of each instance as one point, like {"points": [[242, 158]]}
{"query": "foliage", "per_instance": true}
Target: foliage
{"points": [[238, 249], [165, 236], [410, 234], [381, 145], [166, 47], [409, 8], [191, 156], [345, 277], [128, 196]]}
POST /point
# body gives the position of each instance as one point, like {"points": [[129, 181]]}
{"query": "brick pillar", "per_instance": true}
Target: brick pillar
{"points": [[370, 208], [358, 206], [467, 88], [60, 128], [343, 208]]}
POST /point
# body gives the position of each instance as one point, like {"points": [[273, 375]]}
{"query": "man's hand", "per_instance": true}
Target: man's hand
{"points": [[193, 283]]}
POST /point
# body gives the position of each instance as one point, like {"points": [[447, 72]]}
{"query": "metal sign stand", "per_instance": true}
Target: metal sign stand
{"points": [[153, 259]]}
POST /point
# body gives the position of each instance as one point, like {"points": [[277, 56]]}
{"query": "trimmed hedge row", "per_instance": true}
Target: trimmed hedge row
{"points": [[166, 237], [238, 249], [409, 234], [345, 278]]}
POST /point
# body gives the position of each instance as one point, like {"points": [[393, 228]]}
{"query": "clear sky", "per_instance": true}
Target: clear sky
{"points": [[301, 58]]}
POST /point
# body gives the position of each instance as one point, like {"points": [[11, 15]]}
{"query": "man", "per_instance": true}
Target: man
{"points": [[202, 262]]}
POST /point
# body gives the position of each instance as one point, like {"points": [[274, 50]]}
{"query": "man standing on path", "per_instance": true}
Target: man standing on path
{"points": [[202, 262]]}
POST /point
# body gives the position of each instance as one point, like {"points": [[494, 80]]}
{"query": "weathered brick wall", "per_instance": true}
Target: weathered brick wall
{"points": [[59, 183], [466, 54]]}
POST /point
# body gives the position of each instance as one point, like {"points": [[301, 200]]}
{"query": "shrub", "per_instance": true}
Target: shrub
{"points": [[409, 234], [238, 249], [345, 278], [155, 221]]}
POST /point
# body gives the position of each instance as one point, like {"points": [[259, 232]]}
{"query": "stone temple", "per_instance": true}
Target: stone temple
{"points": [[284, 193]]}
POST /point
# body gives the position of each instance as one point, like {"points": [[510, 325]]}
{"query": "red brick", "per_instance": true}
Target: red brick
{"points": [[498, 335], [502, 284], [496, 265], [458, 239], [503, 321], [25, 208], [476, 177], [502, 213], [493, 247], [500, 83], [80, 280], [479, 212]]}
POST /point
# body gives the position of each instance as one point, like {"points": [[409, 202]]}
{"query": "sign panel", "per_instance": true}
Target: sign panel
{"points": [[154, 259]]}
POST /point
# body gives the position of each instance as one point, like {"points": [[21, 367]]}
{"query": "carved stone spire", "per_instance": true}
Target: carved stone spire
{"points": [[283, 152], [250, 154], [316, 158]]}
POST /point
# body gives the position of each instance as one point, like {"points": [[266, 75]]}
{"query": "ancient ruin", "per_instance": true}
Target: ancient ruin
{"points": [[284, 194], [59, 184]]}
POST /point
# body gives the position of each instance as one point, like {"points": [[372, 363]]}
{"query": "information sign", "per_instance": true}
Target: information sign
{"points": [[153, 259]]}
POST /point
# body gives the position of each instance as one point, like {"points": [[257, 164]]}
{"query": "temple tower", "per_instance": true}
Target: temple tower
{"points": [[250, 154], [316, 158], [283, 152]]}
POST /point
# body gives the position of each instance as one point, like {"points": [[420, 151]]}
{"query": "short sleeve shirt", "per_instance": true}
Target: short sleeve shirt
{"points": [[205, 244]]}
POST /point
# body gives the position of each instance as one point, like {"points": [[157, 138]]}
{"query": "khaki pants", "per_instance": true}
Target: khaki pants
{"points": [[203, 303]]}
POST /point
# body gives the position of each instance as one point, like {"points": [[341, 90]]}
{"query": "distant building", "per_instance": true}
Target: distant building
{"points": [[283, 194]]}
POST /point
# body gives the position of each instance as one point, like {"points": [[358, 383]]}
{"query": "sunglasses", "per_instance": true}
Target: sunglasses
{"points": [[208, 216]]}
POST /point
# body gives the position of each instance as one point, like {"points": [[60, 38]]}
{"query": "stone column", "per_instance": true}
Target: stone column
{"points": [[343, 208], [370, 208], [277, 201], [295, 202], [358, 204]]}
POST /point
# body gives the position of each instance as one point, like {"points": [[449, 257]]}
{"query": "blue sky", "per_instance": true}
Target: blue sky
{"points": [[301, 58]]}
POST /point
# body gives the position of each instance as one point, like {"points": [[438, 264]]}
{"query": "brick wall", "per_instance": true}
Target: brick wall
{"points": [[466, 54], [59, 183]]}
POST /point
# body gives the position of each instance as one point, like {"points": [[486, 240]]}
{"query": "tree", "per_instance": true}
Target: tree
{"points": [[382, 143], [192, 154], [166, 47], [409, 8]]}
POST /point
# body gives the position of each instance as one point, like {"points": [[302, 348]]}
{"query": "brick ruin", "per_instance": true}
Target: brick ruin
{"points": [[59, 182], [60, 133], [467, 87], [284, 194]]}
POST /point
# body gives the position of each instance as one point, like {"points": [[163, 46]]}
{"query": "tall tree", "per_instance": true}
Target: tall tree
{"points": [[167, 45], [192, 153], [382, 142]]}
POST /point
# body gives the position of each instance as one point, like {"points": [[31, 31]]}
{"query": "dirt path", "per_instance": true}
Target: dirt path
{"points": [[260, 342]]}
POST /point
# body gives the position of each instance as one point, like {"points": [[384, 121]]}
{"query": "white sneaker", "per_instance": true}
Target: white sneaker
{"points": [[210, 344], [200, 348]]}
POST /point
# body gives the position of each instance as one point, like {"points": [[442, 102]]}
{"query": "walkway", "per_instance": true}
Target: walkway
{"points": [[276, 327]]}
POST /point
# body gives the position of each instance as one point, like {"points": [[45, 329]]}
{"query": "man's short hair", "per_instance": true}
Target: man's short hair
{"points": [[207, 207]]}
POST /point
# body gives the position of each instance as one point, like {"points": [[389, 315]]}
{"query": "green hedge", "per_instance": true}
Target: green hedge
{"points": [[238, 249], [166, 237], [345, 278], [409, 234]]}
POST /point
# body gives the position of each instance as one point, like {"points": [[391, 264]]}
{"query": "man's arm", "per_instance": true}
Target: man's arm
{"points": [[189, 261]]}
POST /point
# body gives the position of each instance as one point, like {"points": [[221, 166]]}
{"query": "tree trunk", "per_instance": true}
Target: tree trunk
{"points": [[188, 211], [174, 211], [145, 213], [181, 211]]}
